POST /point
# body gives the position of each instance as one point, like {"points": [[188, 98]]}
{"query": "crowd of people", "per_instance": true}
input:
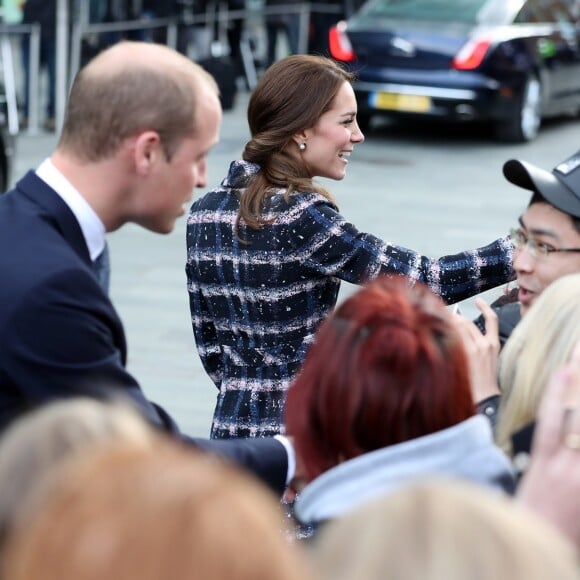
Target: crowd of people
{"points": [[199, 25], [404, 437]]}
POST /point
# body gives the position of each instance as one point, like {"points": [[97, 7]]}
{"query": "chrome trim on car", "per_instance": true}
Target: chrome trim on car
{"points": [[434, 92]]}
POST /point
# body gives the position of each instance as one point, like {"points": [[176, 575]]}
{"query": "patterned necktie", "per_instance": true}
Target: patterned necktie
{"points": [[102, 269]]}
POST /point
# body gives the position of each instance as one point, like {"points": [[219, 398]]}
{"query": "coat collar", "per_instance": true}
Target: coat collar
{"points": [[240, 174], [57, 211]]}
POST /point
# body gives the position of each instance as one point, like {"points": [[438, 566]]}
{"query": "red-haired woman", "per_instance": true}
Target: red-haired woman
{"points": [[384, 398]]}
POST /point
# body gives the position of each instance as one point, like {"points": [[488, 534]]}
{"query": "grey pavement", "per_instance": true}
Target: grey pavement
{"points": [[435, 191]]}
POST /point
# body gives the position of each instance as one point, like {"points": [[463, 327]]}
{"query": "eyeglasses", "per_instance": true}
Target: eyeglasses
{"points": [[535, 248]]}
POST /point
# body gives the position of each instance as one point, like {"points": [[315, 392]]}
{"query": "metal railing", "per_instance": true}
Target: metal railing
{"points": [[82, 28], [7, 33], [69, 46]]}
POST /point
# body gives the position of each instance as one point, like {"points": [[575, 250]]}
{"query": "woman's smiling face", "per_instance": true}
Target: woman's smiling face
{"points": [[330, 142]]}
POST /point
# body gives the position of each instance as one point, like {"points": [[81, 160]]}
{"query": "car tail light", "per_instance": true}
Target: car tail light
{"points": [[471, 54], [339, 43]]}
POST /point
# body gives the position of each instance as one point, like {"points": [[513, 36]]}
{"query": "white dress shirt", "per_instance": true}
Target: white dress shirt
{"points": [[91, 225]]}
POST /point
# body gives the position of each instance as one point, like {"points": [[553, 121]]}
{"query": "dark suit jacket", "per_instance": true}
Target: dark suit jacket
{"points": [[60, 335]]}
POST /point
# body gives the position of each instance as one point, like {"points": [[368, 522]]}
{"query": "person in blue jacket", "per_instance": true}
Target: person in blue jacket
{"points": [[141, 119]]}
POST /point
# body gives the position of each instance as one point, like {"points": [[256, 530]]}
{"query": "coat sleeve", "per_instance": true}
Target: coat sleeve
{"points": [[334, 247], [65, 340], [265, 457]]}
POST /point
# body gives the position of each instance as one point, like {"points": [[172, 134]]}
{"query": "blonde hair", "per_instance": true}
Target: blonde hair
{"points": [[542, 342], [152, 514], [443, 530], [34, 445]]}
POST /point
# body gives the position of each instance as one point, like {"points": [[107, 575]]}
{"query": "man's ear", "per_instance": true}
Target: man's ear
{"points": [[147, 151]]}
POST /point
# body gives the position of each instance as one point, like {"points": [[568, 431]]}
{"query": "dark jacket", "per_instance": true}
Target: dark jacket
{"points": [[60, 335], [522, 448]]}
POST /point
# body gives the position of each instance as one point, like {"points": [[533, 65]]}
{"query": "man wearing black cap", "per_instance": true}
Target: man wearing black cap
{"points": [[547, 241]]}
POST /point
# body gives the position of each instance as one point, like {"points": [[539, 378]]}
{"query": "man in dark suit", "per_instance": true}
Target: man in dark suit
{"points": [[141, 120]]}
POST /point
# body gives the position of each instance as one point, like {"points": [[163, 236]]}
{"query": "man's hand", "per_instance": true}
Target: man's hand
{"points": [[482, 351]]}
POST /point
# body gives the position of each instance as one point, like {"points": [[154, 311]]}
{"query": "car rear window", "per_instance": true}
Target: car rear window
{"points": [[469, 11]]}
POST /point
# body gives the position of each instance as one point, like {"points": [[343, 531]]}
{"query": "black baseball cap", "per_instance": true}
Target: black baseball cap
{"points": [[559, 187]]}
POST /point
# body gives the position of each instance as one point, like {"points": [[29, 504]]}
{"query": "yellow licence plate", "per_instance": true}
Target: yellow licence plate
{"points": [[397, 102]]}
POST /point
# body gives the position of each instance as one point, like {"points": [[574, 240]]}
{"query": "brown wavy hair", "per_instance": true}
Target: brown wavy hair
{"points": [[291, 96]]}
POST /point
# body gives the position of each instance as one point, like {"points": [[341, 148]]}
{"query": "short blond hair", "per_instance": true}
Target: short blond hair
{"points": [[541, 343], [151, 514], [443, 530], [129, 88], [38, 442]]}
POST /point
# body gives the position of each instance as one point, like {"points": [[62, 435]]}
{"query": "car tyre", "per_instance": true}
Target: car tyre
{"points": [[524, 125]]}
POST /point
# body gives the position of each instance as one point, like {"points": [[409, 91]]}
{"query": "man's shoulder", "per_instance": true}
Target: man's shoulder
{"points": [[39, 265], [27, 192], [29, 238], [44, 288]]}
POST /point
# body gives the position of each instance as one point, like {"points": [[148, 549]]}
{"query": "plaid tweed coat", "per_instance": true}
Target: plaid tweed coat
{"points": [[255, 307]]}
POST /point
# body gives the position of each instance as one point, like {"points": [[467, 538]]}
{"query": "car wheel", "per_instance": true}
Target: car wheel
{"points": [[525, 123]]}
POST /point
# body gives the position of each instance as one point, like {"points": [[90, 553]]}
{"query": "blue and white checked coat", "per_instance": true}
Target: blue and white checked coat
{"points": [[255, 307]]}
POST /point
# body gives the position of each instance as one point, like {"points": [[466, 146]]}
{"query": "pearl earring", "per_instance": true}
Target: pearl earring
{"points": [[302, 146]]}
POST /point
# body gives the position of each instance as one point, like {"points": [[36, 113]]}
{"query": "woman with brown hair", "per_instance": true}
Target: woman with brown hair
{"points": [[268, 248]]}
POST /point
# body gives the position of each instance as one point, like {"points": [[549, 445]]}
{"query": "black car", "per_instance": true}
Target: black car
{"points": [[506, 62]]}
